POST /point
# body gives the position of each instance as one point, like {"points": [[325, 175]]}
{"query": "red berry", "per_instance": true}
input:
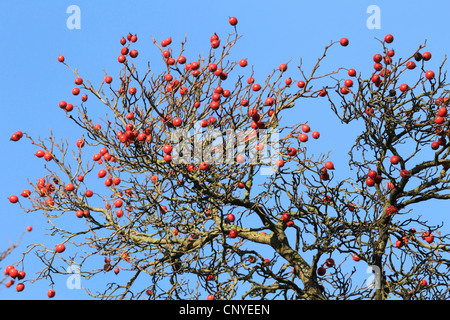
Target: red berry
{"points": [[321, 271], [439, 120], [134, 53], [60, 248], [20, 274], [389, 38], [442, 112], [426, 56], [279, 163], [429, 74], [344, 42], [40, 153], [132, 91], [13, 273], [25, 193], [15, 137], [435, 145], [329, 262], [204, 166], [348, 83], [51, 293], [372, 174], [80, 143], [167, 148], [233, 21], [405, 173], [375, 78], [291, 152], [242, 62], [329, 165], [177, 122], [306, 128], [377, 57], [269, 101], [79, 214], [303, 137], [181, 60], [256, 87], [215, 44], [301, 84], [403, 87], [62, 104], [118, 203], [195, 65], [377, 66], [212, 67], [233, 233], [315, 134], [240, 159], [370, 182], [410, 65], [395, 159], [345, 90]]}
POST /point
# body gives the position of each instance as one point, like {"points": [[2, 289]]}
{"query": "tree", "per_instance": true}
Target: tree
{"points": [[207, 193]]}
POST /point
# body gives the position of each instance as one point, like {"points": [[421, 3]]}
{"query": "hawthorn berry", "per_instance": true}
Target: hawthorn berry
{"points": [[344, 42], [233, 21]]}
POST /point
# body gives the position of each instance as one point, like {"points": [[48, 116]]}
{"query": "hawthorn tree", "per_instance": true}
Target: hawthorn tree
{"points": [[274, 222]]}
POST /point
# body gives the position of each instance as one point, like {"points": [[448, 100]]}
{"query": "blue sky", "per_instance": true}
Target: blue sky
{"points": [[33, 82]]}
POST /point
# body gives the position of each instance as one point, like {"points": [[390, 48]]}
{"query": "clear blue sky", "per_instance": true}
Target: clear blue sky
{"points": [[33, 82]]}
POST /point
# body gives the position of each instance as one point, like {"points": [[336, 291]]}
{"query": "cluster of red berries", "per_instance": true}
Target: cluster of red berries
{"points": [[16, 136], [12, 272], [329, 263]]}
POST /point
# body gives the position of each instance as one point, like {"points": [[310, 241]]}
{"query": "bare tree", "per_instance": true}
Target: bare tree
{"points": [[184, 229]]}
